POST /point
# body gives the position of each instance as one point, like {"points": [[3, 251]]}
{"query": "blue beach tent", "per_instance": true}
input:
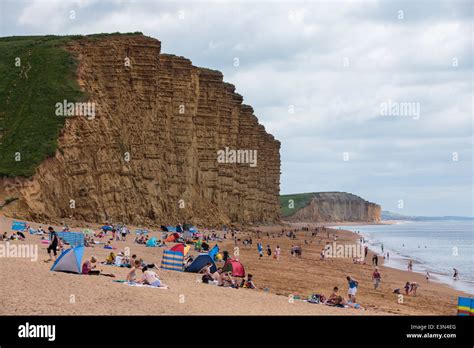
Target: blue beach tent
{"points": [[213, 252], [199, 262], [70, 260]]}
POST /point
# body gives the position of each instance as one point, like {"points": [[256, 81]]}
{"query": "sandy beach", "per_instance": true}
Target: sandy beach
{"points": [[30, 288]]}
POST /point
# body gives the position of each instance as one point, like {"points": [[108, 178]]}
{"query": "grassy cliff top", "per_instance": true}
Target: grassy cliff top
{"points": [[290, 204], [36, 72]]}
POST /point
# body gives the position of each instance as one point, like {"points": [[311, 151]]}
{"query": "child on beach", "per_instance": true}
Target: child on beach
{"points": [[410, 266], [260, 249], [110, 259], [413, 288], [376, 277], [269, 250], [277, 252], [218, 277], [407, 288], [249, 284], [229, 281], [207, 274], [89, 266], [353, 284], [334, 299], [133, 271], [427, 276]]}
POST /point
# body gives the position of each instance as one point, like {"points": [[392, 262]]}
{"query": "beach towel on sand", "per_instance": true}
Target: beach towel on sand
{"points": [[144, 285]]}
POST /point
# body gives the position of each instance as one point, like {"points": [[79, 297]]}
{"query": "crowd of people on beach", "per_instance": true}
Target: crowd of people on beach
{"points": [[142, 273]]}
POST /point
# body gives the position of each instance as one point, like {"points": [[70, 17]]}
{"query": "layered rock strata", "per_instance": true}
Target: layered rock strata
{"points": [[149, 156]]}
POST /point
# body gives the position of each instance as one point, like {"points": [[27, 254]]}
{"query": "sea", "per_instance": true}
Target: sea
{"points": [[433, 246]]}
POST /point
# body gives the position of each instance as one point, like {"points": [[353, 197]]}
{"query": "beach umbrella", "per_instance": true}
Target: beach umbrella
{"points": [[87, 231], [107, 228]]}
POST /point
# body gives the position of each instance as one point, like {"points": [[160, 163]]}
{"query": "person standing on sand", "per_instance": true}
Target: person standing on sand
{"points": [[410, 266], [376, 277], [427, 276], [407, 288], [260, 249], [353, 284], [366, 250], [53, 244], [277, 252], [375, 260], [413, 288], [124, 232]]}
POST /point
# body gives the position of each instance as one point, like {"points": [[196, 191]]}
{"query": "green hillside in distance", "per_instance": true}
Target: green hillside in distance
{"points": [[290, 204]]}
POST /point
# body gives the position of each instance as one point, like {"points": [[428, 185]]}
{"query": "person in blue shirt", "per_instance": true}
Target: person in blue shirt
{"points": [[353, 284]]}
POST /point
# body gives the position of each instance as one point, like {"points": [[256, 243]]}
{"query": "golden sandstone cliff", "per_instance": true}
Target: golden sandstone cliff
{"points": [[149, 156], [337, 207]]}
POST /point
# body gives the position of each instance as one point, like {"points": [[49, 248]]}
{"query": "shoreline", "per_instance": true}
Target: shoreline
{"points": [[397, 259]]}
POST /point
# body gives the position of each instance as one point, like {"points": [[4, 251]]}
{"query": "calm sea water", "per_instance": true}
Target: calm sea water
{"points": [[434, 246]]}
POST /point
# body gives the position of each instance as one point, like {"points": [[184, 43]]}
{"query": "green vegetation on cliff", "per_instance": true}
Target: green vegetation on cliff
{"points": [[36, 72], [290, 204]]}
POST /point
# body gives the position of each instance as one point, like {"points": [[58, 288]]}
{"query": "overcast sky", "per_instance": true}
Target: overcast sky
{"points": [[321, 77]]}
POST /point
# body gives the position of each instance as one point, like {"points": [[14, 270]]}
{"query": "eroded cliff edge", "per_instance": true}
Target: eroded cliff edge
{"points": [[171, 118], [336, 207]]}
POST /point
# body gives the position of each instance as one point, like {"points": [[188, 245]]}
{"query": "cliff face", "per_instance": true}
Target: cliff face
{"points": [[337, 207], [150, 154]]}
